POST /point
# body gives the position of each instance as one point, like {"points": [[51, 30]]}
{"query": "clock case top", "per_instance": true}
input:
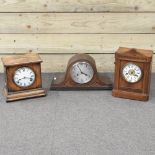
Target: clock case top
{"points": [[132, 54], [21, 59], [11, 64], [139, 90], [64, 81]]}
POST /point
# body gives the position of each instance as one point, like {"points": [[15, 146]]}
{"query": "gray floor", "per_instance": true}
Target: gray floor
{"points": [[77, 123]]}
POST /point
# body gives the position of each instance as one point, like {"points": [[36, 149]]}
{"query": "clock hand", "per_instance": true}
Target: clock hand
{"points": [[25, 78], [136, 75], [84, 74], [79, 68], [31, 79], [20, 80], [81, 71]]}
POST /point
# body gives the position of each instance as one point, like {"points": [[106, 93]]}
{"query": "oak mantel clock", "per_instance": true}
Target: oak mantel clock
{"points": [[81, 74], [132, 73], [22, 77]]}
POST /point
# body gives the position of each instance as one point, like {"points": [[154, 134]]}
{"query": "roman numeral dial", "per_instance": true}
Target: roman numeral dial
{"points": [[24, 77]]}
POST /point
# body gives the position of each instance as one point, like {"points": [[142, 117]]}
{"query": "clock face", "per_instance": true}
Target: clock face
{"points": [[81, 72], [132, 73], [24, 77]]}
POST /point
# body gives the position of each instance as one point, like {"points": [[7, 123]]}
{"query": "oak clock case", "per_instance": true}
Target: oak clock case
{"points": [[132, 73], [22, 77], [81, 74]]}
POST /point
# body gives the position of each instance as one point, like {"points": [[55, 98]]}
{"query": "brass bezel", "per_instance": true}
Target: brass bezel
{"points": [[83, 62], [135, 65]]}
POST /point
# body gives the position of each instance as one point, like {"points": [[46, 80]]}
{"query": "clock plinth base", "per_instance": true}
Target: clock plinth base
{"points": [[14, 96], [130, 95], [99, 83]]}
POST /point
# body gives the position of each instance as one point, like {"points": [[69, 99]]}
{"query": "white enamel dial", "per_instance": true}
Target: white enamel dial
{"points": [[132, 73], [81, 72], [24, 77]]}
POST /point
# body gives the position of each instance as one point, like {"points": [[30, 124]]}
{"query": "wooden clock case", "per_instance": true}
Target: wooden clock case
{"points": [[13, 92], [64, 81], [140, 89]]}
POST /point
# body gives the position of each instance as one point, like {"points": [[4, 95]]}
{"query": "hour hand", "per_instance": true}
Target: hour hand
{"points": [[25, 78], [84, 74]]}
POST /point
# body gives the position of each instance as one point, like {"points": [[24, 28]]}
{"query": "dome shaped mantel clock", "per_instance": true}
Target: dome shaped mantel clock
{"points": [[22, 77], [132, 73], [81, 74]]}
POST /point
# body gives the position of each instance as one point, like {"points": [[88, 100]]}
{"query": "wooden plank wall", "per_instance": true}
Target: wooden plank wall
{"points": [[57, 29]]}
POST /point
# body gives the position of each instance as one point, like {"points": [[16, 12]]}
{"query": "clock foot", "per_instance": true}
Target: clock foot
{"points": [[11, 96]]}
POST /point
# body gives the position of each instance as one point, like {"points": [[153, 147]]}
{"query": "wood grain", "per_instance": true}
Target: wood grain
{"points": [[77, 23], [23, 94], [12, 87], [77, 6], [58, 62], [58, 29], [97, 82], [137, 89], [73, 43]]}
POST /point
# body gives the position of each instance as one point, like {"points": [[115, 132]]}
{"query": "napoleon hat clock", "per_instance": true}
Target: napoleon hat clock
{"points": [[81, 74]]}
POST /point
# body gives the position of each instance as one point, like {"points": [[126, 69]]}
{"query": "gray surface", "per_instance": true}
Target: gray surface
{"points": [[77, 123]]}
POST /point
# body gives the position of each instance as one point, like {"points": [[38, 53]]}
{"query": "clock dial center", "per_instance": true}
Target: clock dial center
{"points": [[132, 72]]}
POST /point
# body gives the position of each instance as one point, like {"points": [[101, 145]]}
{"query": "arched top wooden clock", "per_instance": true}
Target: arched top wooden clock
{"points": [[132, 73], [22, 77], [81, 73]]}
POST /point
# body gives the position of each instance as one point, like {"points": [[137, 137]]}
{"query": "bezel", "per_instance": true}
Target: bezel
{"points": [[135, 65], [75, 64], [29, 69]]}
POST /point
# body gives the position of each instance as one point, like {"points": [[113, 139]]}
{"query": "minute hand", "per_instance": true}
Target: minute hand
{"points": [[82, 72], [24, 78]]}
